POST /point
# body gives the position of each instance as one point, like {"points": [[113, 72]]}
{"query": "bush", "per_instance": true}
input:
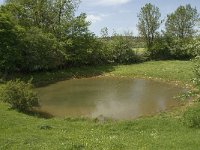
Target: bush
{"points": [[10, 35], [122, 50], [19, 95], [194, 47], [197, 70], [191, 116], [166, 47], [160, 50], [41, 51], [183, 49]]}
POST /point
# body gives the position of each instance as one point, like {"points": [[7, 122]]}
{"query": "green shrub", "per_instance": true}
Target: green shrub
{"points": [[179, 50], [196, 50], [191, 117], [41, 51], [197, 70], [184, 49], [122, 50], [160, 50], [19, 95], [10, 35]]}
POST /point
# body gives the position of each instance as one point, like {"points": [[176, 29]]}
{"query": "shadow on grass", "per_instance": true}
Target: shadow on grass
{"points": [[40, 79], [35, 113], [39, 114]]}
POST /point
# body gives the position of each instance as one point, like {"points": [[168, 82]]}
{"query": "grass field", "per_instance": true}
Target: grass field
{"points": [[166, 70], [162, 131]]}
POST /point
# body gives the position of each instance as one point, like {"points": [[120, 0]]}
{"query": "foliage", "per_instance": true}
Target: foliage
{"points": [[104, 32], [50, 16], [194, 46], [83, 46], [167, 47], [160, 49], [181, 23], [52, 37], [27, 50], [181, 49], [178, 41], [197, 70], [46, 35], [123, 50], [19, 95], [149, 23], [10, 35], [119, 49], [185, 48], [191, 116], [41, 51]]}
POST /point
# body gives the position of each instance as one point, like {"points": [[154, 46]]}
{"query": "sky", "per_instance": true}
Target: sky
{"points": [[121, 15]]}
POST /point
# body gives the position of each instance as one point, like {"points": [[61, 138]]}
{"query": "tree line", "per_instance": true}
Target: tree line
{"points": [[38, 35], [177, 40]]}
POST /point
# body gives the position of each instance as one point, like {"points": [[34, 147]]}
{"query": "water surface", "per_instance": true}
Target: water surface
{"points": [[117, 98]]}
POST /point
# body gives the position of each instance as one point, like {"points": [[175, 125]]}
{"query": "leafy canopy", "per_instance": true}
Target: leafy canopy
{"points": [[181, 24], [149, 23]]}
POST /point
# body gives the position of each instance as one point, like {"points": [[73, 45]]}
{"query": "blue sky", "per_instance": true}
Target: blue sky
{"points": [[121, 15]]}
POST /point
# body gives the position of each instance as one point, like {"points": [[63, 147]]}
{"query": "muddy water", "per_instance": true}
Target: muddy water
{"points": [[109, 97]]}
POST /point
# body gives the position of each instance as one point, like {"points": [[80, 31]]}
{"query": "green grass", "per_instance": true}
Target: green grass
{"points": [[19, 131], [167, 70], [162, 131]]}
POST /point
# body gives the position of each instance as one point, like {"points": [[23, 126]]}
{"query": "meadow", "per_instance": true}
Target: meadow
{"points": [[165, 130]]}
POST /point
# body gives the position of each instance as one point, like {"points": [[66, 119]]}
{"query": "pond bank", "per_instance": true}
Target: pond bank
{"points": [[174, 71]]}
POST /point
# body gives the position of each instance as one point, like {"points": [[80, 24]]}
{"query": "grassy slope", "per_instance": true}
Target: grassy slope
{"points": [[165, 131], [19, 131], [167, 70]]}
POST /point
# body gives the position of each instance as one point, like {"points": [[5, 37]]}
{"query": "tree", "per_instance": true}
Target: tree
{"points": [[49, 15], [181, 24], [10, 35], [104, 32], [149, 23], [40, 51], [80, 41]]}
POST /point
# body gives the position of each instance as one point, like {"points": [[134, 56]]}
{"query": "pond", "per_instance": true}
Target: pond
{"points": [[116, 98]]}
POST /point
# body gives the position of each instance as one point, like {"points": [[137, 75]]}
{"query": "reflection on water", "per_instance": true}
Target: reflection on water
{"points": [[111, 97]]}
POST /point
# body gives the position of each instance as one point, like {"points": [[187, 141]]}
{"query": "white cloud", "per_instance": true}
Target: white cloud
{"points": [[106, 2], [96, 17], [93, 18]]}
